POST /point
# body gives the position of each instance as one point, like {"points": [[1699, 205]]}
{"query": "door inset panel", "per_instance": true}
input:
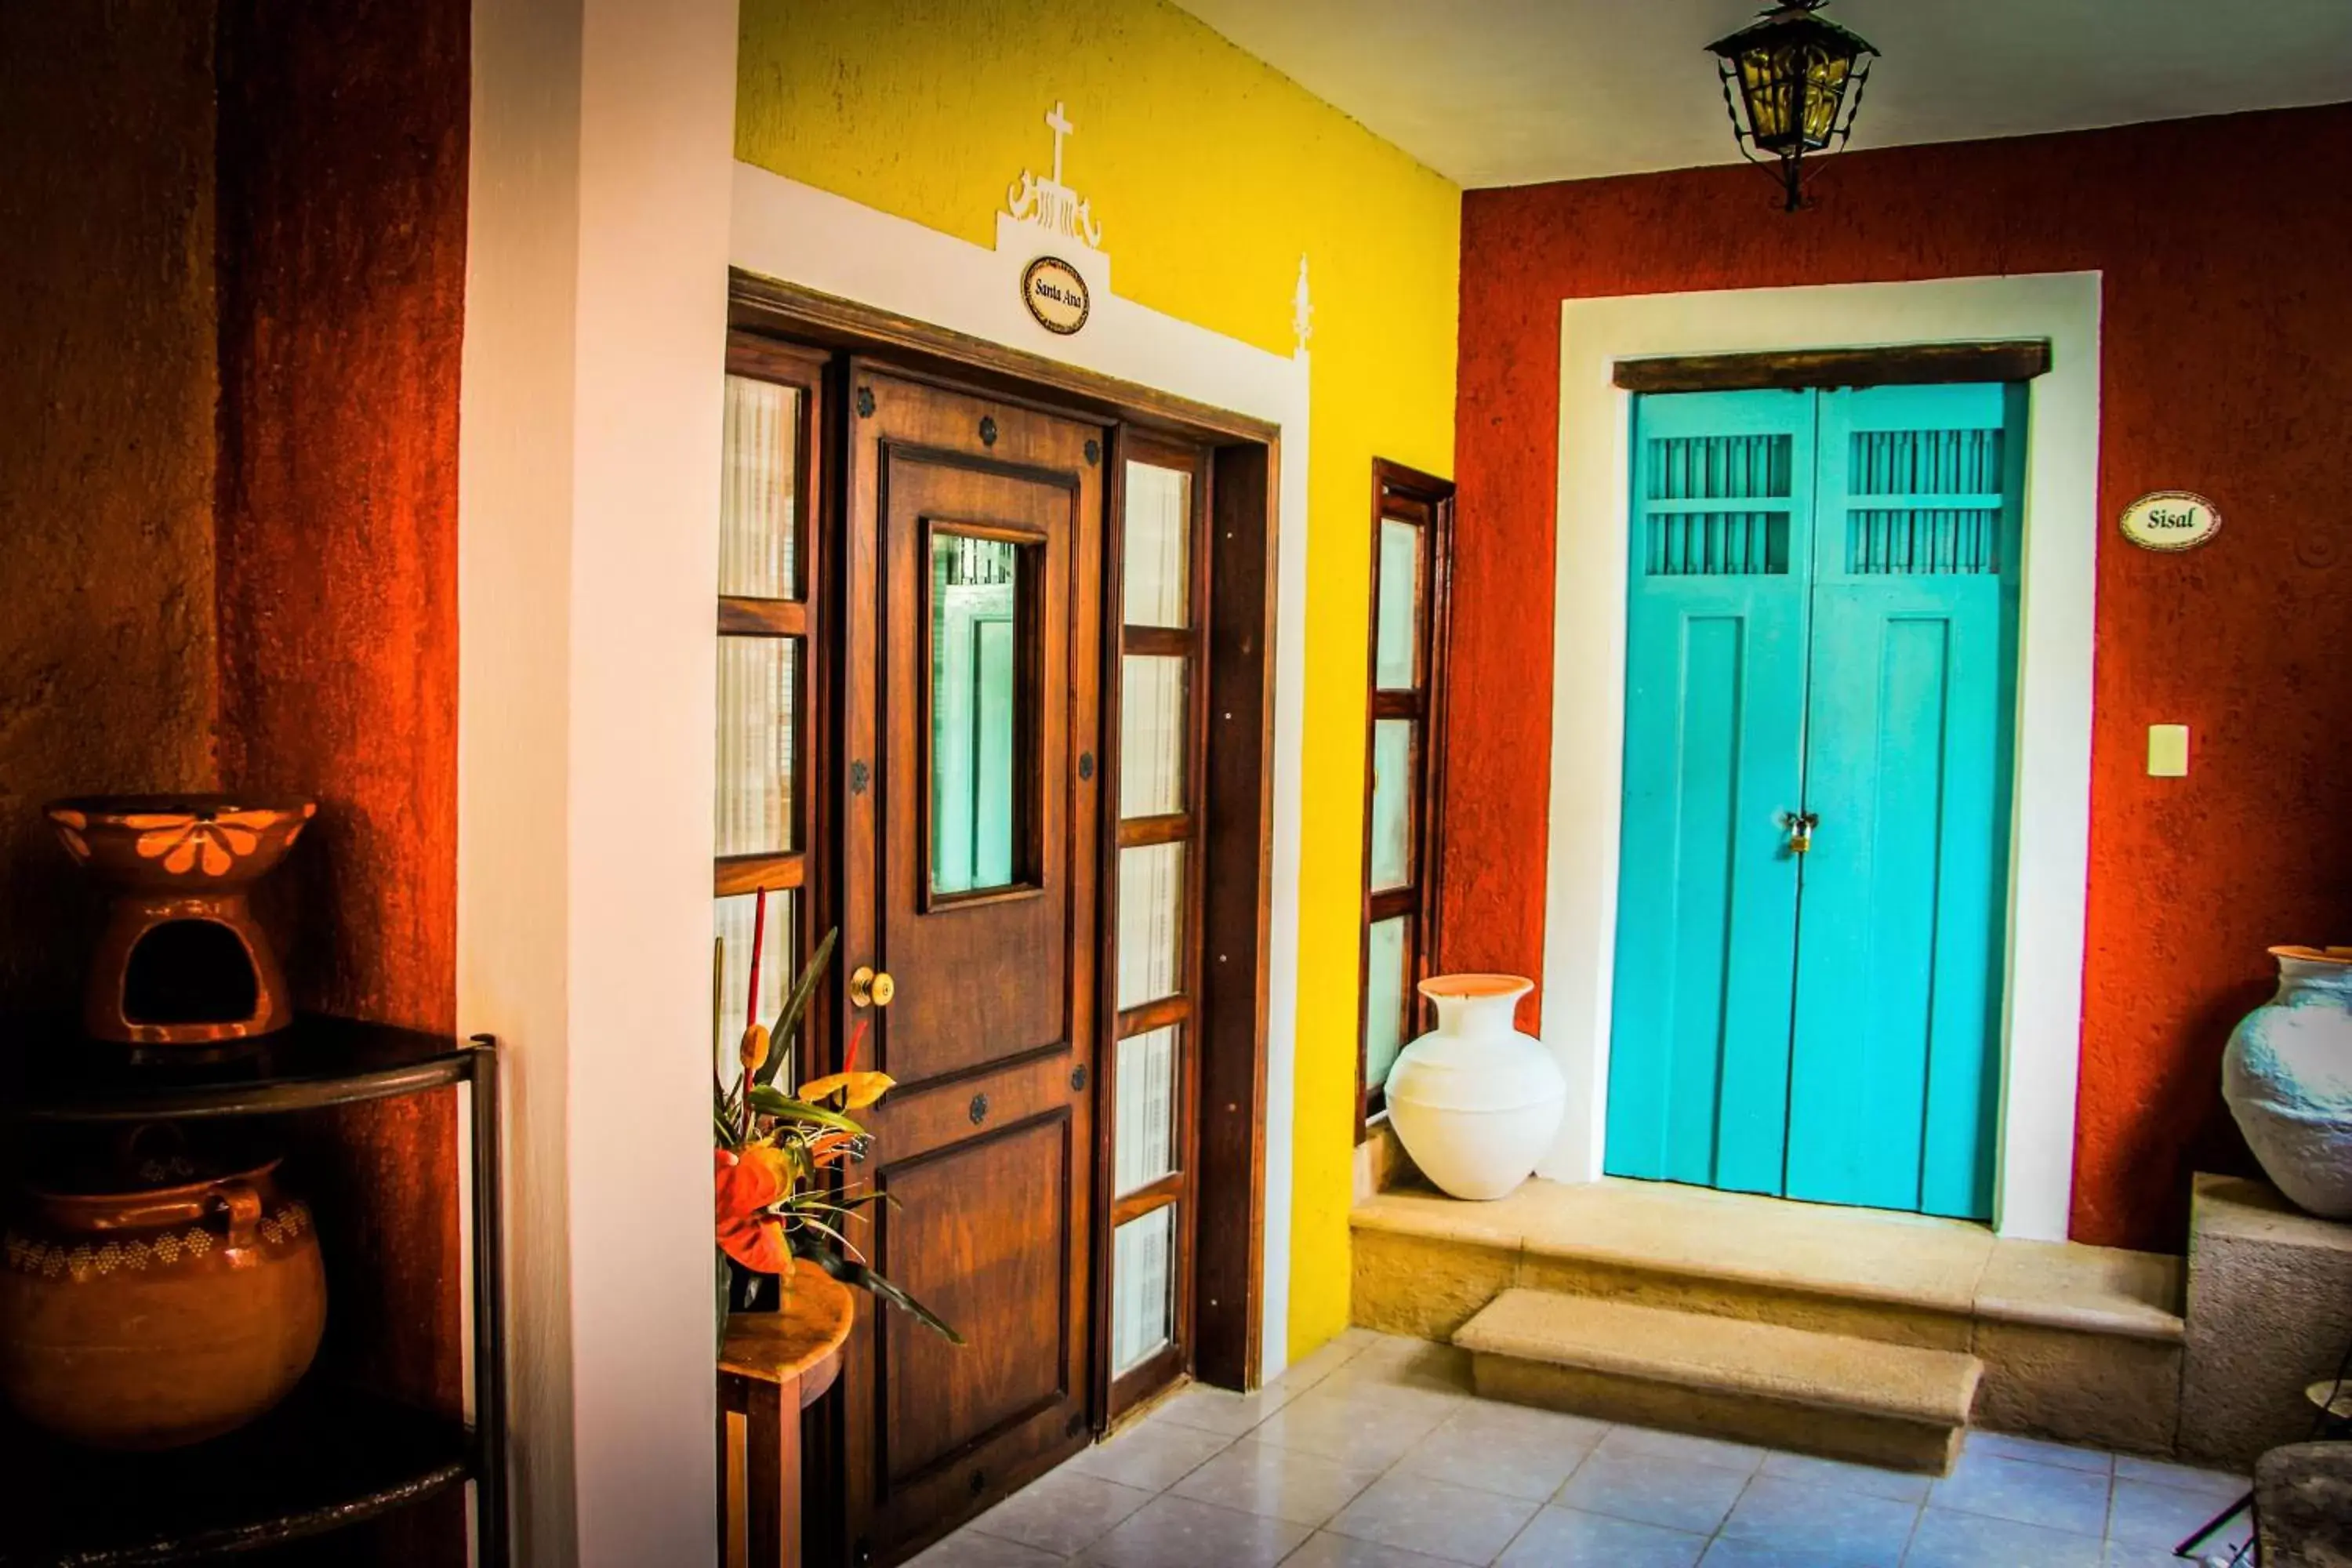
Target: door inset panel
{"points": [[988, 770], [1714, 730], [992, 1267], [983, 712]]}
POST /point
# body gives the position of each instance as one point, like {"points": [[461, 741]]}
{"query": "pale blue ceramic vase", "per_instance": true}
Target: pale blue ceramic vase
{"points": [[2287, 1075]]}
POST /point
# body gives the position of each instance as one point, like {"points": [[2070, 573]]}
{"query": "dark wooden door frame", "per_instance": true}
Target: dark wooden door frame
{"points": [[1237, 803], [1433, 630]]}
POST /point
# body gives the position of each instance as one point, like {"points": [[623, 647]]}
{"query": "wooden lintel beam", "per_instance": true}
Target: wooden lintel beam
{"points": [[1912, 365]]}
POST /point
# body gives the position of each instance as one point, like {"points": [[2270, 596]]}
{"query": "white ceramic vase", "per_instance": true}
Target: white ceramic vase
{"points": [[1474, 1101], [2287, 1075]]}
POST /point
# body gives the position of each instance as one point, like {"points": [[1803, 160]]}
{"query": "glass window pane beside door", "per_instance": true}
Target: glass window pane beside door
{"points": [[1396, 658], [1143, 1289], [1159, 676], [1152, 725], [758, 683], [1157, 552], [1393, 763], [762, 676], [759, 491], [1387, 969]]}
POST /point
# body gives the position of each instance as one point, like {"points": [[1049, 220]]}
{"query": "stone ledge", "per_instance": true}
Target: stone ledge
{"points": [[1922, 1265]]}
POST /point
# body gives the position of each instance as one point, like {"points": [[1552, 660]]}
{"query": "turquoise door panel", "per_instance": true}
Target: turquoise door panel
{"points": [[1714, 730], [1895, 1060]]}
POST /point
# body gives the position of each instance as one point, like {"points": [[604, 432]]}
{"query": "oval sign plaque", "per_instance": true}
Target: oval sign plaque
{"points": [[1056, 294], [2171, 519]]}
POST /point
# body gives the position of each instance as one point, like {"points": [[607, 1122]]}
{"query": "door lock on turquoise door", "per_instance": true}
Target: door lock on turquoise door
{"points": [[1800, 826]]}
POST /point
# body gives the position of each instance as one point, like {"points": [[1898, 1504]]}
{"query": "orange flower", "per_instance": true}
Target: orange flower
{"points": [[746, 1183], [179, 839]]}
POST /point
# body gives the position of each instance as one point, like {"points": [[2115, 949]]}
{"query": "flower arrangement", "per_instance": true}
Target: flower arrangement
{"points": [[781, 1157]]}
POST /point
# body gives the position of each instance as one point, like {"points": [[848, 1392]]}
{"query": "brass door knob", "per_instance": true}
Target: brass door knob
{"points": [[870, 987]]}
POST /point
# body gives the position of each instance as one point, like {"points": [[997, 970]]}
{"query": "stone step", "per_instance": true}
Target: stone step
{"points": [[1842, 1397]]}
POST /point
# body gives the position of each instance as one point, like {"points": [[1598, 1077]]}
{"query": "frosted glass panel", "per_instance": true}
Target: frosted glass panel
{"points": [[1151, 735], [758, 491], [1396, 662], [1159, 537], [975, 583], [1150, 923], [731, 923], [1142, 1288], [1393, 790], [758, 680], [1385, 979], [1144, 1141]]}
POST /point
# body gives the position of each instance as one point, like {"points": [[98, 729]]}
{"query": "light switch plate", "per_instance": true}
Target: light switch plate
{"points": [[2167, 751]]}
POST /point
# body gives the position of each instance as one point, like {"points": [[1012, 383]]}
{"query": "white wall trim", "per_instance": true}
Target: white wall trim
{"points": [[2049, 842], [799, 234]]}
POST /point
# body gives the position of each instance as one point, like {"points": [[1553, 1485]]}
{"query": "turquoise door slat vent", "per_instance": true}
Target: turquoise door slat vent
{"points": [[1823, 1024]]}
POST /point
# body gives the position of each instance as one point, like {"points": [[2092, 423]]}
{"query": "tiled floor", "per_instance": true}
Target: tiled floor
{"points": [[1373, 1453]]}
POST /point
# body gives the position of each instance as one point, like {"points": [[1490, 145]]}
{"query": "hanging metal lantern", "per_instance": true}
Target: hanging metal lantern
{"points": [[1800, 78]]}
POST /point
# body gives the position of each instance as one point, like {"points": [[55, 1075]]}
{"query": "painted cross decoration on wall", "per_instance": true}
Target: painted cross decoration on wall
{"points": [[1048, 202]]}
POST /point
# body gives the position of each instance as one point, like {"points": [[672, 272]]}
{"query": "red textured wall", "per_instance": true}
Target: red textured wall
{"points": [[342, 263], [2228, 368]]}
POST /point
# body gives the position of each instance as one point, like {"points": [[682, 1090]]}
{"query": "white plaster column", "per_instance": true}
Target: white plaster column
{"points": [[589, 451]]}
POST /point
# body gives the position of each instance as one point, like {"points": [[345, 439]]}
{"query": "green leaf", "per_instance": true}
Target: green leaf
{"points": [[776, 1102], [788, 1022], [865, 1279]]}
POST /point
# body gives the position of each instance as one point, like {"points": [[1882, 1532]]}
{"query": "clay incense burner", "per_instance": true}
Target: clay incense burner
{"points": [[183, 962]]}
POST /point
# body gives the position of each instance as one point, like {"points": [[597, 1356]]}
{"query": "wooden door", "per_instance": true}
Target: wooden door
{"points": [[1715, 679], [1900, 949], [969, 783]]}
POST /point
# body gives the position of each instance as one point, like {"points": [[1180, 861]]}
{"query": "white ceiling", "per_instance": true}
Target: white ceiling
{"points": [[1507, 92]]}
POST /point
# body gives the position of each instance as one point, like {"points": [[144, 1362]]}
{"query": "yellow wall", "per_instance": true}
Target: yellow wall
{"points": [[1209, 174]]}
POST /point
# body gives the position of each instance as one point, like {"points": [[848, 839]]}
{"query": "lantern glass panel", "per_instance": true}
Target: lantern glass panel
{"points": [[1793, 91]]}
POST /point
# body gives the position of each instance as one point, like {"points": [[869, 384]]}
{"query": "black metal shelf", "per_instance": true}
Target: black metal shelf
{"points": [[326, 1458], [50, 1072], [330, 1456]]}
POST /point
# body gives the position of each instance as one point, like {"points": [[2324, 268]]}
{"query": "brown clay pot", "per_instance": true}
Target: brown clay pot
{"points": [[156, 1318], [182, 962]]}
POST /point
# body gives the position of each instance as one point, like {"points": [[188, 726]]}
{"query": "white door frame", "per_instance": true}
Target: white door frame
{"points": [[2050, 831]]}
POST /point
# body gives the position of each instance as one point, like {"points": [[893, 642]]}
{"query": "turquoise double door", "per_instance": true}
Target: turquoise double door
{"points": [[1820, 695]]}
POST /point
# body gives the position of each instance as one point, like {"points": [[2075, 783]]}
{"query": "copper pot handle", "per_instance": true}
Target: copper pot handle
{"points": [[243, 1205]]}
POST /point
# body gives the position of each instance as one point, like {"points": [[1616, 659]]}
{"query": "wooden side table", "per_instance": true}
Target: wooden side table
{"points": [[774, 1365]]}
